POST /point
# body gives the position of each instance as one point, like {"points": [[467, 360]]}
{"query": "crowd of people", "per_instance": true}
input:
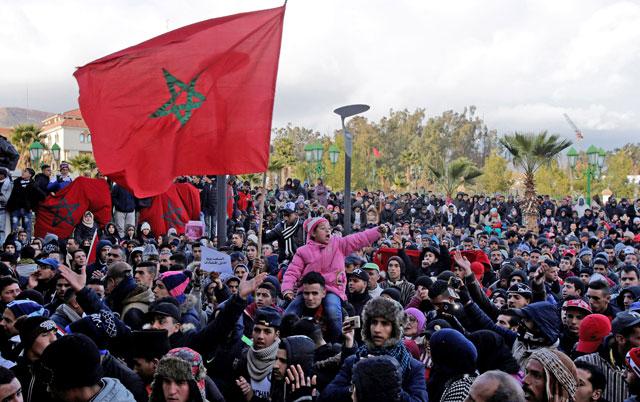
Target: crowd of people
{"points": [[425, 298]]}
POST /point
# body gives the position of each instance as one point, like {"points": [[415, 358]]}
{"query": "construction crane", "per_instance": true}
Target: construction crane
{"points": [[579, 135]]}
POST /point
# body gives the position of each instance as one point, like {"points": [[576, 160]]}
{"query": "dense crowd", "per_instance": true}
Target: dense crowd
{"points": [[428, 298]]}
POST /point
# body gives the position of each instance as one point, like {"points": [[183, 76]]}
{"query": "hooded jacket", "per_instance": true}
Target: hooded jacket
{"points": [[300, 351], [635, 290], [328, 260], [414, 387], [112, 390]]}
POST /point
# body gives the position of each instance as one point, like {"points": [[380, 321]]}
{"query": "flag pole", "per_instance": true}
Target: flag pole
{"points": [[263, 191], [221, 210]]}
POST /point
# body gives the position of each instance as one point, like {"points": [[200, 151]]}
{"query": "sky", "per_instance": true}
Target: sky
{"points": [[521, 63]]}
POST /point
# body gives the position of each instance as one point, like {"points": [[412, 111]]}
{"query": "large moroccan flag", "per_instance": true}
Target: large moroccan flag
{"points": [[197, 100], [60, 213], [172, 209]]}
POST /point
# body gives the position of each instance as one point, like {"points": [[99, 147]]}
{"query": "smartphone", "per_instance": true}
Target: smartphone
{"points": [[354, 321]]}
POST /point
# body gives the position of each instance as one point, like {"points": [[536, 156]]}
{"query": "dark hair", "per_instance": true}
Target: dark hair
{"points": [[309, 327], [313, 277], [598, 380], [6, 375], [577, 283], [74, 252], [630, 268], [599, 285], [179, 258], [95, 281], [272, 289], [513, 318]]}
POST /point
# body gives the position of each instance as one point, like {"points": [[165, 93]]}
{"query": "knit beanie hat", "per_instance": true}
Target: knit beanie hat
{"points": [[31, 327], [310, 225], [393, 293], [145, 225], [424, 281], [388, 309], [418, 315], [450, 349], [26, 307], [72, 361], [176, 283], [377, 378], [100, 327], [180, 364]]}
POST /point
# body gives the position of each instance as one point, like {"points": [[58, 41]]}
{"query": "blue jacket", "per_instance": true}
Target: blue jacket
{"points": [[414, 387], [122, 200]]}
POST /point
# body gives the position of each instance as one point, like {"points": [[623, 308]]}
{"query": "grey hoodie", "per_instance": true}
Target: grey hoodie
{"points": [[113, 390]]}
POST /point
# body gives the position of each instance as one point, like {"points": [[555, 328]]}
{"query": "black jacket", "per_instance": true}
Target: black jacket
{"points": [[27, 196], [33, 387], [114, 368]]}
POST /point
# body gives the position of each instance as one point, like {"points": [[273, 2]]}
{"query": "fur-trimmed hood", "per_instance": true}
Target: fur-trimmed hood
{"points": [[391, 311]]}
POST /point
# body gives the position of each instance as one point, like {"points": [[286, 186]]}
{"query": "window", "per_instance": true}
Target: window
{"points": [[82, 137], [89, 138]]}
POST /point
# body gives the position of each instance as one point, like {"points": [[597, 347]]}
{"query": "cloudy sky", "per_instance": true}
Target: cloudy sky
{"points": [[522, 63]]}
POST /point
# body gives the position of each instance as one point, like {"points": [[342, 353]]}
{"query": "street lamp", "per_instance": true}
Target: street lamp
{"points": [[595, 163], [334, 152], [345, 112], [35, 152], [55, 150], [313, 153]]}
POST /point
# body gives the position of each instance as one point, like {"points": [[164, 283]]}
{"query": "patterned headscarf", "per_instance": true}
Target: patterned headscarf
{"points": [[560, 373]]}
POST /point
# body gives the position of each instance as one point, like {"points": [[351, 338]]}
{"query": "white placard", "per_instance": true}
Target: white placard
{"points": [[215, 261]]}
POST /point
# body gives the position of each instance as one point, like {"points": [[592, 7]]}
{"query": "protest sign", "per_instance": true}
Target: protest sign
{"points": [[215, 261]]}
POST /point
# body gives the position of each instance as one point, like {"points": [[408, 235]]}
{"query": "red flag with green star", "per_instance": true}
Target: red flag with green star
{"points": [[194, 101]]}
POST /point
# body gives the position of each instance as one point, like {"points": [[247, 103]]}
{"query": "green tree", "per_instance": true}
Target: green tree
{"points": [[552, 180], [83, 164], [530, 152], [496, 176], [618, 166], [449, 176], [22, 136]]}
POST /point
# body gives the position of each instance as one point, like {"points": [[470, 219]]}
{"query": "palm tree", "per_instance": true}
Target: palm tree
{"points": [[22, 136], [83, 164], [449, 176], [529, 152]]}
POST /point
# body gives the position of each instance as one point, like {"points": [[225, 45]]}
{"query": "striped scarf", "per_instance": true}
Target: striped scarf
{"points": [[287, 234]]}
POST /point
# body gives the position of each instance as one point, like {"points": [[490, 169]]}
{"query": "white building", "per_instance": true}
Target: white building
{"points": [[70, 132]]}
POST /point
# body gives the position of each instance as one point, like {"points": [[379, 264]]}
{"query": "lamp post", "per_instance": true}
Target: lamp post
{"points": [[313, 153], [345, 112], [334, 153], [35, 152], [595, 163], [55, 151]]}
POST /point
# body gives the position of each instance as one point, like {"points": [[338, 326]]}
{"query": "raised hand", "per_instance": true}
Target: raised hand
{"points": [[76, 280], [247, 287]]}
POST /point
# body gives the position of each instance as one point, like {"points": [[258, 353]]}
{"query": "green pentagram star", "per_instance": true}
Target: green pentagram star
{"points": [[183, 111], [63, 212], [172, 216]]}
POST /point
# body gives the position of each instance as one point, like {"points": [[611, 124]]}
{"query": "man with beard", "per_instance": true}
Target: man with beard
{"points": [[295, 355], [550, 376]]}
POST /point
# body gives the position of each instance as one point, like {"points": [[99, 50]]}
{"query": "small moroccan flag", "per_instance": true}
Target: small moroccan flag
{"points": [[376, 152]]}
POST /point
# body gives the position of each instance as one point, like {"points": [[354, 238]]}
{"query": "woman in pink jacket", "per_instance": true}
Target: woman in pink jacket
{"points": [[324, 254]]}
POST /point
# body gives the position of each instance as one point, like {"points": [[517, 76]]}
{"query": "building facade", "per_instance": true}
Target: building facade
{"points": [[70, 132]]}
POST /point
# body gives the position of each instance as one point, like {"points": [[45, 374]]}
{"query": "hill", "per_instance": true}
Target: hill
{"points": [[11, 116]]}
